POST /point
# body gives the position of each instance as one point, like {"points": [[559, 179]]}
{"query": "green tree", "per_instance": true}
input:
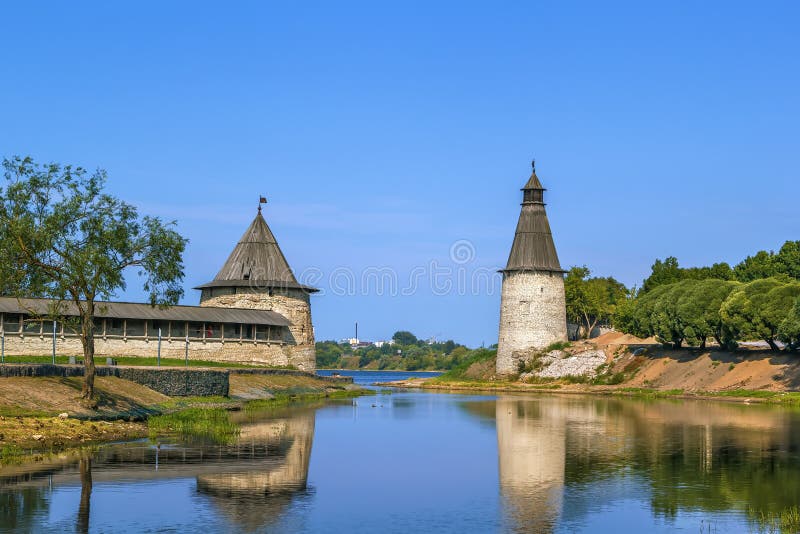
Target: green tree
{"points": [[328, 354], [789, 330], [637, 316], [667, 323], [720, 271], [699, 308], [404, 337], [591, 301], [761, 265], [663, 273], [63, 238], [787, 260], [757, 310]]}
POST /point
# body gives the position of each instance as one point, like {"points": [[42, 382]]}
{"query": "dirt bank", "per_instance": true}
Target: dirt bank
{"points": [[636, 365]]}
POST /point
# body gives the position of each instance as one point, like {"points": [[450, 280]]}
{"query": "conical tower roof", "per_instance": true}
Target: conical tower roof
{"points": [[256, 261], [533, 248]]}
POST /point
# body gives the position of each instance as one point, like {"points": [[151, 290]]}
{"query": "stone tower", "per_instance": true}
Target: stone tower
{"points": [[257, 276], [532, 307]]}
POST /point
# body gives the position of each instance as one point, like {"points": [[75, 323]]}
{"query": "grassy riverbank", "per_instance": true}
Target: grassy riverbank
{"points": [[46, 413]]}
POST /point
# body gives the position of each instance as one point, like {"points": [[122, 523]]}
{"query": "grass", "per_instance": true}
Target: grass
{"points": [[649, 393], [558, 345], [141, 361], [459, 372], [10, 454], [787, 520], [772, 397], [290, 397], [213, 424], [183, 403], [16, 411]]}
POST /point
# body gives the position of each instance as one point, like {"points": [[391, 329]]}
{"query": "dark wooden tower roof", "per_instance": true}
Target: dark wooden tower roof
{"points": [[533, 248], [257, 261]]}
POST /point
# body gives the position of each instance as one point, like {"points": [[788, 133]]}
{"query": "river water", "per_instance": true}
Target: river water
{"points": [[407, 461]]}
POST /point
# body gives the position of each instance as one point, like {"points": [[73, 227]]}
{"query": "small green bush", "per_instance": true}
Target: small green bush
{"points": [[558, 345]]}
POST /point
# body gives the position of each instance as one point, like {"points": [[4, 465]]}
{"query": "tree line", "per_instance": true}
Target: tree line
{"points": [[727, 311], [406, 353], [757, 299]]}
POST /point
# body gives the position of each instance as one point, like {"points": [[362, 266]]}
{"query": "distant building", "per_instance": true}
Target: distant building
{"points": [[533, 306], [254, 311]]}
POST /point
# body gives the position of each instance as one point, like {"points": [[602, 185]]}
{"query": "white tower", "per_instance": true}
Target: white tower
{"points": [[532, 307]]}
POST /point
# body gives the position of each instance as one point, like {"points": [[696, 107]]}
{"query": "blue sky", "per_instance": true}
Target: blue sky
{"points": [[385, 132]]}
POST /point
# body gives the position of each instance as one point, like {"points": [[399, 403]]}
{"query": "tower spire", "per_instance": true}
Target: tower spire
{"points": [[533, 248]]}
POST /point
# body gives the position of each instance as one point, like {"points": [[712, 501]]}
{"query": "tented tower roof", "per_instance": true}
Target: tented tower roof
{"points": [[533, 248], [256, 261]]}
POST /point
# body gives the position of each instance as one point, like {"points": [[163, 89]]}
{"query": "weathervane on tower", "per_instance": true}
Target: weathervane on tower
{"points": [[261, 200]]}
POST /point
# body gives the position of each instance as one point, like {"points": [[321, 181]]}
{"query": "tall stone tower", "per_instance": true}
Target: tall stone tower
{"points": [[257, 276], [532, 307]]}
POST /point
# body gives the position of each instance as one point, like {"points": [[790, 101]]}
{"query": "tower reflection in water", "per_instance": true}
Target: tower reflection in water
{"points": [[570, 461], [251, 483], [255, 494], [531, 441]]}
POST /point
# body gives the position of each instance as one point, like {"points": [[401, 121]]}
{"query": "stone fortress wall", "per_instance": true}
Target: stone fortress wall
{"points": [[271, 353]]}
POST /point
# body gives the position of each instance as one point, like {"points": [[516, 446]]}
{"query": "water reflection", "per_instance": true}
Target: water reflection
{"points": [[531, 441], [256, 493], [564, 461], [251, 483], [417, 462]]}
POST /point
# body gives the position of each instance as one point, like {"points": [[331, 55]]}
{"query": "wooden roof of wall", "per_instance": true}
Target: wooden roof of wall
{"points": [[130, 310]]}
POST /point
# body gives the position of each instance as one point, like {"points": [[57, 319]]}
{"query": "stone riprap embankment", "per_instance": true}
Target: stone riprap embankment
{"points": [[558, 364], [174, 382], [179, 382]]}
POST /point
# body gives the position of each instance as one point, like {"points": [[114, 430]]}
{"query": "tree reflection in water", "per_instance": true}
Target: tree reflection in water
{"points": [[691, 456], [85, 468], [251, 482], [565, 463]]}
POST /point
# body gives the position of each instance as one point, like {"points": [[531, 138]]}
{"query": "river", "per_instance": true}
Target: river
{"points": [[409, 461]]}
